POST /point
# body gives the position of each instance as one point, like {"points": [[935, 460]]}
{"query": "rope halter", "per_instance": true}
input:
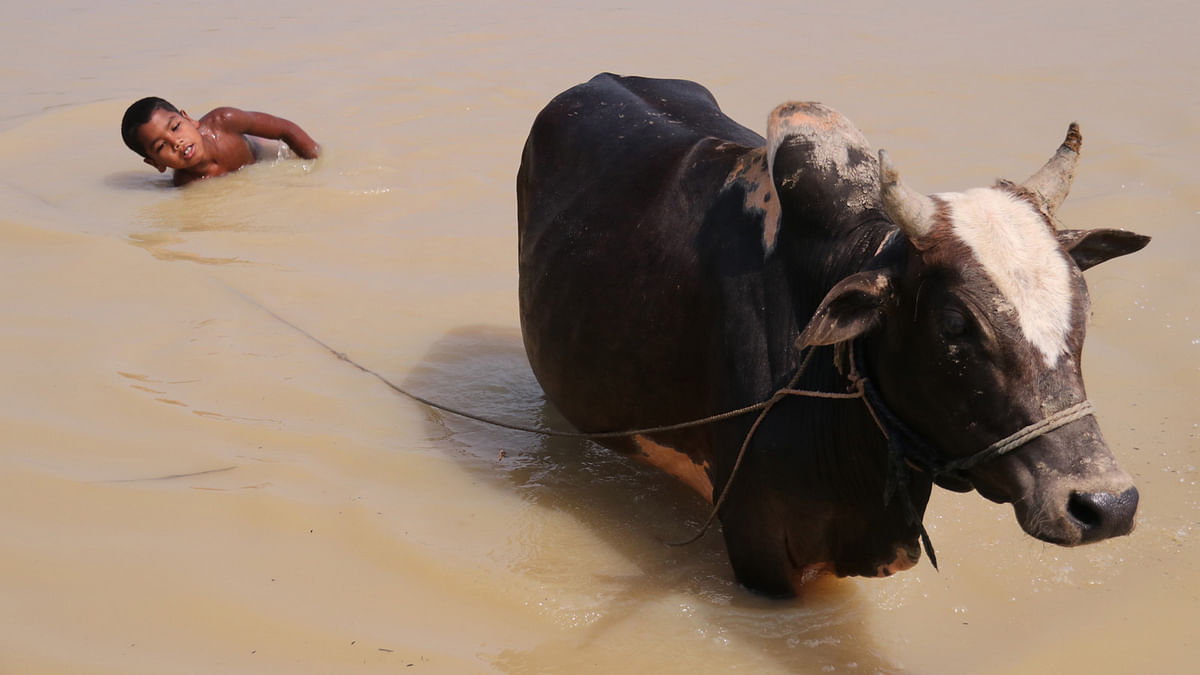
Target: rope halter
{"points": [[919, 452], [907, 448]]}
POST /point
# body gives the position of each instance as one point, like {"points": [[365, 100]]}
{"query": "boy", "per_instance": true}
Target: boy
{"points": [[222, 141]]}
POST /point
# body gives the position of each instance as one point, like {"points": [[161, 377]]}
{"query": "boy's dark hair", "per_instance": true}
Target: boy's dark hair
{"points": [[138, 114]]}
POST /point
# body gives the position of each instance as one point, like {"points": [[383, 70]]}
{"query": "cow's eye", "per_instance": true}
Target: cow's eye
{"points": [[954, 324]]}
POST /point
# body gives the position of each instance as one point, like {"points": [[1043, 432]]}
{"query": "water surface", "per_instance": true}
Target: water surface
{"points": [[189, 485]]}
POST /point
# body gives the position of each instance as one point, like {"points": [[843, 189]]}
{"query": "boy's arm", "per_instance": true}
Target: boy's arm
{"points": [[267, 126]]}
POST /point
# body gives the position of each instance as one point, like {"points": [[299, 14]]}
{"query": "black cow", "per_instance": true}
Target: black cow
{"points": [[674, 265]]}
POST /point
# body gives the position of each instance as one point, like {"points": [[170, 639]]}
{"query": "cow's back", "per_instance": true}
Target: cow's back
{"points": [[616, 179]]}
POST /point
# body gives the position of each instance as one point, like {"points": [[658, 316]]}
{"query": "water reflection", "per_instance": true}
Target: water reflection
{"points": [[634, 511], [161, 245], [136, 180]]}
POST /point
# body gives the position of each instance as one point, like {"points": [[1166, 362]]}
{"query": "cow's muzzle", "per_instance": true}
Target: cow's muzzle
{"points": [[1088, 511]]}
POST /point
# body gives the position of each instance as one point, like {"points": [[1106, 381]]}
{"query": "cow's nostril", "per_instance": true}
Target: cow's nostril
{"points": [[1101, 514], [1083, 508]]}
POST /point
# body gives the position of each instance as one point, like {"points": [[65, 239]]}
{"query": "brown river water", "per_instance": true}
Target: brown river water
{"points": [[190, 485]]}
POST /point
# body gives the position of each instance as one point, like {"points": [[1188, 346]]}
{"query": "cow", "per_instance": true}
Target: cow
{"points": [[674, 265]]}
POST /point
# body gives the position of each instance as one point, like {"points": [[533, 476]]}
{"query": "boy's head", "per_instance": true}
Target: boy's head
{"points": [[163, 135], [138, 114]]}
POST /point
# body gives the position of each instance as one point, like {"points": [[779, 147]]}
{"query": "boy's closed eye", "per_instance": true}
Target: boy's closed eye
{"points": [[161, 144]]}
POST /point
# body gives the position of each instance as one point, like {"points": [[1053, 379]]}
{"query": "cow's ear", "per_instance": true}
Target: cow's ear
{"points": [[851, 308], [1091, 247]]}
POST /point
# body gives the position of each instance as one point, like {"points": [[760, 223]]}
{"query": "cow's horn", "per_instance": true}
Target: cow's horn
{"points": [[909, 209], [1052, 182]]}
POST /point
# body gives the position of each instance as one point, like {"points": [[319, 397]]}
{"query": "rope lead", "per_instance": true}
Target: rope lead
{"points": [[903, 443]]}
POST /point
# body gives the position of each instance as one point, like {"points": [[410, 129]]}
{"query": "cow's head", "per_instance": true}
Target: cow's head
{"points": [[975, 331]]}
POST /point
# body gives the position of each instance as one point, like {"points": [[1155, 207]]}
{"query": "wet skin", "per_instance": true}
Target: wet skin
{"points": [[215, 145]]}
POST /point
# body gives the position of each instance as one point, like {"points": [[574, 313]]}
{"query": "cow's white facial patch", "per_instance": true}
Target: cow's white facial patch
{"points": [[1023, 259]]}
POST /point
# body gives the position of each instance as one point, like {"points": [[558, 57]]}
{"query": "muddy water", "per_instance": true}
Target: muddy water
{"points": [[187, 484]]}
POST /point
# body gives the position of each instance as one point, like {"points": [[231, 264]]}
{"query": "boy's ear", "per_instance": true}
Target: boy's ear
{"points": [[161, 169]]}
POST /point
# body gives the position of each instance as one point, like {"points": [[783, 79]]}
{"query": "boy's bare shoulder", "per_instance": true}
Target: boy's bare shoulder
{"points": [[224, 118]]}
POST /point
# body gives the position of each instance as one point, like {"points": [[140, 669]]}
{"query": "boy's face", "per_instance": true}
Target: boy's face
{"points": [[172, 140]]}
